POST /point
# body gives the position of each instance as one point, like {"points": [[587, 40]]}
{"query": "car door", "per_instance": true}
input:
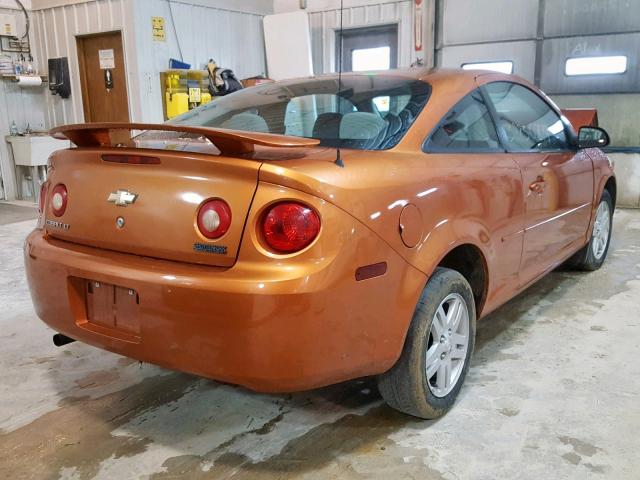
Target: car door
{"points": [[465, 146], [557, 179]]}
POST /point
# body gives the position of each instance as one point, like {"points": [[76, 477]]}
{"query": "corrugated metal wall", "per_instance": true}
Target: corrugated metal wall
{"points": [[55, 36], [234, 39], [22, 105], [325, 23]]}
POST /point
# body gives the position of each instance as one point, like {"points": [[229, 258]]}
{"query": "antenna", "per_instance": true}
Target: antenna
{"points": [[338, 160]]}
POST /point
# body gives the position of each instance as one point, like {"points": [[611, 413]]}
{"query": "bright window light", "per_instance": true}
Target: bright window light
{"points": [[378, 58], [382, 103], [502, 67], [596, 65]]}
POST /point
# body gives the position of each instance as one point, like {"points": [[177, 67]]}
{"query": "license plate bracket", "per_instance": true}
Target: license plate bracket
{"points": [[111, 310]]}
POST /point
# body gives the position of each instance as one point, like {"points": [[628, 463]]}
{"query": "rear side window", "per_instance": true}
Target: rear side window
{"points": [[466, 128], [529, 123]]}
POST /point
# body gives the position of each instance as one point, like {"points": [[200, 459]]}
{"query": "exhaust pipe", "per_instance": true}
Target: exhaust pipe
{"points": [[60, 340]]}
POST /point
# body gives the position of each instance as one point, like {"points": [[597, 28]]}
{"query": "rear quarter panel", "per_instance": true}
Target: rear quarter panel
{"points": [[474, 199], [462, 198]]}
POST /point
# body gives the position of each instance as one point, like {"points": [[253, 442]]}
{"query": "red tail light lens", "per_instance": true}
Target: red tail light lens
{"points": [[289, 227], [59, 199], [214, 218], [42, 198]]}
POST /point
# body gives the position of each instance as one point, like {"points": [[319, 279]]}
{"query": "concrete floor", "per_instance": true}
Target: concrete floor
{"points": [[554, 393], [11, 212]]}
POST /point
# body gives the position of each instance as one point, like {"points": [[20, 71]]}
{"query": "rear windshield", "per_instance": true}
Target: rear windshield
{"points": [[371, 112]]}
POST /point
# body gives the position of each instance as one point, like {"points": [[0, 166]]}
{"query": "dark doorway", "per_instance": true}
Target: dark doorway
{"points": [[103, 78], [370, 48]]}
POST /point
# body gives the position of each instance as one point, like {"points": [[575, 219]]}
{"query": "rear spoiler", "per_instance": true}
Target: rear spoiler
{"points": [[229, 142]]}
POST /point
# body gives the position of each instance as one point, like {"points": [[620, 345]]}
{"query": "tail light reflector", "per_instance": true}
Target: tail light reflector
{"points": [[290, 226], [59, 199], [214, 218]]}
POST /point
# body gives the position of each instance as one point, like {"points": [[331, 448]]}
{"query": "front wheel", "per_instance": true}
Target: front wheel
{"points": [[592, 256], [427, 377]]}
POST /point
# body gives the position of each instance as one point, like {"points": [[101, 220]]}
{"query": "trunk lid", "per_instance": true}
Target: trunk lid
{"points": [[176, 169], [161, 221]]}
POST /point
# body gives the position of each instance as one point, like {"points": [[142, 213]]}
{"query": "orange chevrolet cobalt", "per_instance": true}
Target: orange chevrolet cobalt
{"points": [[307, 232]]}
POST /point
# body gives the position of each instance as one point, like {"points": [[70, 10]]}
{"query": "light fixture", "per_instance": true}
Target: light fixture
{"points": [[610, 65], [502, 67]]}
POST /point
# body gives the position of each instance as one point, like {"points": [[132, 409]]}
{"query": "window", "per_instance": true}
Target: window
{"points": [[312, 108], [467, 127], [502, 67], [382, 103], [527, 120], [364, 59], [302, 112], [595, 65]]}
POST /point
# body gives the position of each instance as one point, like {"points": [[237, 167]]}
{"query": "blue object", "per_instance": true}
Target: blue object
{"points": [[177, 64]]}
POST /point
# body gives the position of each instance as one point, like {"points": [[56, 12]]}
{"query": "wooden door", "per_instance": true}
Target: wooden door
{"points": [[99, 56]]}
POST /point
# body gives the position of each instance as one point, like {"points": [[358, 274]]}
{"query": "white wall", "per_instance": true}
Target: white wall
{"points": [[24, 106], [324, 20], [230, 31], [13, 4], [234, 39], [56, 29]]}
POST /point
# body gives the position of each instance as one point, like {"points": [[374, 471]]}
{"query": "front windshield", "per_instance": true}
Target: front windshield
{"points": [[371, 112]]}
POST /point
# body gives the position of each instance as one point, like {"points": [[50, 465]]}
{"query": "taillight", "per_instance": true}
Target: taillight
{"points": [[42, 198], [289, 227], [59, 199], [214, 218]]}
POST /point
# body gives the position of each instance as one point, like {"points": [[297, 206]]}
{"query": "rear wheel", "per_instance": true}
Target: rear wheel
{"points": [[592, 256], [427, 377]]}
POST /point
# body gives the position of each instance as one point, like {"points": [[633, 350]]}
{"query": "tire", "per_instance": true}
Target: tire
{"points": [[593, 255], [405, 387]]}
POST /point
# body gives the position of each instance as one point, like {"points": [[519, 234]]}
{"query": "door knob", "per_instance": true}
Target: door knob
{"points": [[537, 186]]}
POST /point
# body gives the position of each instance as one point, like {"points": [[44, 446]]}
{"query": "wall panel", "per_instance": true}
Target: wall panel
{"points": [[589, 17], [555, 52], [55, 36], [22, 105], [522, 54], [473, 21], [618, 114], [324, 25], [234, 39]]}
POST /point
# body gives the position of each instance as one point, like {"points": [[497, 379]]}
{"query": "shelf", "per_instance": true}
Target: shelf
{"points": [[14, 78]]}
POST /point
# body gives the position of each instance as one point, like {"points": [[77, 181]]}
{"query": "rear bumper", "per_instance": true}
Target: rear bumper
{"points": [[266, 329]]}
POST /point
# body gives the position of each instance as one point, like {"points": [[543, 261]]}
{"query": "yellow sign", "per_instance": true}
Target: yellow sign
{"points": [[157, 29]]}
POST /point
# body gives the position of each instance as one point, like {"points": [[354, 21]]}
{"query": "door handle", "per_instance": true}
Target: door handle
{"points": [[538, 185]]}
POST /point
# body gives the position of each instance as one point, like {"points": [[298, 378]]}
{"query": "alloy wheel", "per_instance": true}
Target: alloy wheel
{"points": [[448, 345]]}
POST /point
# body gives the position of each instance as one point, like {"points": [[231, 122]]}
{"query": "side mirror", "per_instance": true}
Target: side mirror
{"points": [[593, 137]]}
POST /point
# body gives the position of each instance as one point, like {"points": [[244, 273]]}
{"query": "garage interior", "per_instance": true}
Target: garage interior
{"points": [[553, 391]]}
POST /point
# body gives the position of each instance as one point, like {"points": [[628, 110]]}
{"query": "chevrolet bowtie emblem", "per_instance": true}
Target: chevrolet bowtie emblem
{"points": [[122, 198]]}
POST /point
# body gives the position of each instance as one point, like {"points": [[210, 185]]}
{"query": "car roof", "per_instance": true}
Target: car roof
{"points": [[465, 79], [424, 74]]}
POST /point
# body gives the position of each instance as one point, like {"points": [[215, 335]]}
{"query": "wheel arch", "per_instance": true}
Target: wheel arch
{"points": [[469, 260], [612, 187]]}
